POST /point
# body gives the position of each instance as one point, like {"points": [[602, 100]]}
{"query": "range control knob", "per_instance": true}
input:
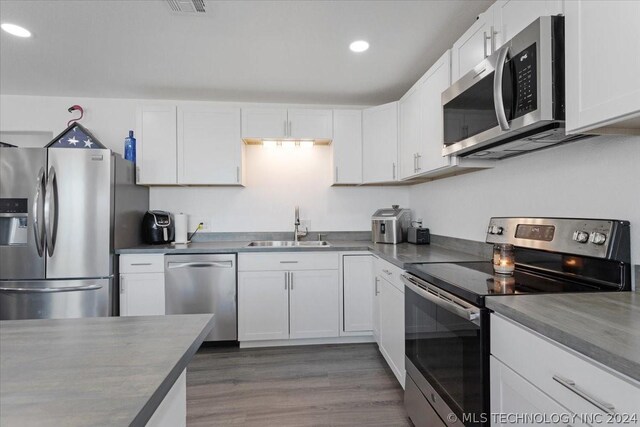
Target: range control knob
{"points": [[598, 238], [581, 236]]}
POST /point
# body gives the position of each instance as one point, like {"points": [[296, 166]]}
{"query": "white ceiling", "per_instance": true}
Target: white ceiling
{"points": [[263, 51]]}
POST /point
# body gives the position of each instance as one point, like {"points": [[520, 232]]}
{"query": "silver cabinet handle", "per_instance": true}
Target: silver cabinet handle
{"points": [[394, 170], [414, 162], [291, 280], [51, 290], [38, 227], [122, 284], [497, 89], [484, 43], [608, 408], [288, 262], [286, 280], [418, 162], [140, 263], [221, 264], [376, 286], [51, 227], [238, 174]]}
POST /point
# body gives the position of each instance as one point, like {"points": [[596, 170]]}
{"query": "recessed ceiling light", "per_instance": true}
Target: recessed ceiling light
{"points": [[16, 30], [359, 46]]}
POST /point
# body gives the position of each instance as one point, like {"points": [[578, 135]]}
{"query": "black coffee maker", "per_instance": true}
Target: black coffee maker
{"points": [[157, 227]]}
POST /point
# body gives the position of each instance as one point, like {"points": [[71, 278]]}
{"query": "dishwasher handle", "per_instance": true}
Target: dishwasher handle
{"points": [[201, 264]]}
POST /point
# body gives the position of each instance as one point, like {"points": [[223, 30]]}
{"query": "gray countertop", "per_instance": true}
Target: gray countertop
{"points": [[399, 255], [602, 326], [93, 371]]}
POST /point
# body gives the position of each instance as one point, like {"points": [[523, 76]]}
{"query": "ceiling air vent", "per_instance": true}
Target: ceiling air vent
{"points": [[187, 7]]}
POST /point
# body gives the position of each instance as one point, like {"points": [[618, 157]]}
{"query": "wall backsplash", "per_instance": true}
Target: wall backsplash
{"points": [[592, 178], [277, 180]]}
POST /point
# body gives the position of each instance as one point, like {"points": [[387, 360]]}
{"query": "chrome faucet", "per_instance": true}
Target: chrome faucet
{"points": [[296, 233]]}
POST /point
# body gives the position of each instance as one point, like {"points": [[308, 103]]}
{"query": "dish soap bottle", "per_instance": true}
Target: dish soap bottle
{"points": [[130, 147]]}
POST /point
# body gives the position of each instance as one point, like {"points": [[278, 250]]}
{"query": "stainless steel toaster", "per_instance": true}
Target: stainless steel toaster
{"points": [[390, 225]]}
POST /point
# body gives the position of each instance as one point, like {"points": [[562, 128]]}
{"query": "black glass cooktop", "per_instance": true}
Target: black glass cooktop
{"points": [[473, 281]]}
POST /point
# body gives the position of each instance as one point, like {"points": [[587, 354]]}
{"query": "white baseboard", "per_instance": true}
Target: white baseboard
{"points": [[309, 341]]}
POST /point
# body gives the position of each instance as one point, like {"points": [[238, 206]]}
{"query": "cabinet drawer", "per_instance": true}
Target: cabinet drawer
{"points": [[576, 383], [142, 263], [280, 261], [389, 272]]}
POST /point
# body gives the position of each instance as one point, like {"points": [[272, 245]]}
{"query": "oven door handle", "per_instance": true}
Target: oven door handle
{"points": [[443, 299], [497, 89]]}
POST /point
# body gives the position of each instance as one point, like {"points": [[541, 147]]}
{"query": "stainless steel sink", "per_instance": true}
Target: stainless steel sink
{"points": [[287, 243]]}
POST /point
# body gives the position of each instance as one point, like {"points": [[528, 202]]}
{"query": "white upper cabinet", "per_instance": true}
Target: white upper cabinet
{"points": [[264, 123], [476, 43], [280, 123], [306, 123], [156, 145], [380, 143], [209, 145], [410, 129], [347, 146], [602, 66], [512, 16]]}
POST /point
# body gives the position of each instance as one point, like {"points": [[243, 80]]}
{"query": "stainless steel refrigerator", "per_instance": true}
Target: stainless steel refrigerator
{"points": [[63, 212]]}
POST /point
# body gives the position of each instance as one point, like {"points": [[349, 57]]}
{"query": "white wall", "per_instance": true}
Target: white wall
{"points": [[598, 178], [276, 180]]}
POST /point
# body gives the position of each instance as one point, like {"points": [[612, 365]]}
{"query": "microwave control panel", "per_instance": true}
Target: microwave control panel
{"points": [[524, 68]]}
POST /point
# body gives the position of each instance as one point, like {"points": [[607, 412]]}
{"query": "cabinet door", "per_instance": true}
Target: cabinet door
{"points": [[375, 311], [306, 123], [264, 123], [314, 304], [357, 276], [142, 294], [380, 143], [156, 145], [209, 145], [602, 67], [347, 146], [409, 112], [512, 394], [512, 16], [431, 141], [392, 327], [473, 46], [263, 306]]}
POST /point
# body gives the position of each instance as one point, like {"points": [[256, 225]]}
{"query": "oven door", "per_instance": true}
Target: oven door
{"points": [[446, 346]]}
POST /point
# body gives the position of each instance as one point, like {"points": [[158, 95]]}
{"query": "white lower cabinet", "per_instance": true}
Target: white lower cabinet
{"points": [[392, 327], [358, 292], [142, 285], [263, 305], [288, 296], [314, 304], [554, 379], [513, 395]]}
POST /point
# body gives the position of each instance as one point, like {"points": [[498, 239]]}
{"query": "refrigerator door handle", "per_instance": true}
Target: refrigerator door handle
{"points": [[38, 227], [51, 227], [51, 290]]}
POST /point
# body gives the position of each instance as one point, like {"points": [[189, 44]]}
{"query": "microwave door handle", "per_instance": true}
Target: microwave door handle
{"points": [[497, 89]]}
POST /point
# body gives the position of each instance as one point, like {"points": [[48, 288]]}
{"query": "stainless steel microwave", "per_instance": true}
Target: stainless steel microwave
{"points": [[513, 101]]}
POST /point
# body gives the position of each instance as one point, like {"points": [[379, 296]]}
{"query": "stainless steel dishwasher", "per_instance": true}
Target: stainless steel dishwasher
{"points": [[197, 284]]}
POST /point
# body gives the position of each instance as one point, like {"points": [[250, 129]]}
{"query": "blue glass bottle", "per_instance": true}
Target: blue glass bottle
{"points": [[130, 147]]}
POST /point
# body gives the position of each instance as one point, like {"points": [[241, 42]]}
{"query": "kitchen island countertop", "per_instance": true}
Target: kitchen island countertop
{"points": [[93, 371], [602, 326]]}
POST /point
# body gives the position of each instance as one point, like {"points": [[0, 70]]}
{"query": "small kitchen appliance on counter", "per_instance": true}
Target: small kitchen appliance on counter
{"points": [[390, 225], [157, 227], [447, 323], [418, 236]]}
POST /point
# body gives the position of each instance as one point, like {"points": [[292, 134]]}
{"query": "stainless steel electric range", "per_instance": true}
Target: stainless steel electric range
{"points": [[447, 324]]}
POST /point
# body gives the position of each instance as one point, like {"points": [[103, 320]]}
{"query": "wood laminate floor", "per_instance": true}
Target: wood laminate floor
{"points": [[327, 385]]}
